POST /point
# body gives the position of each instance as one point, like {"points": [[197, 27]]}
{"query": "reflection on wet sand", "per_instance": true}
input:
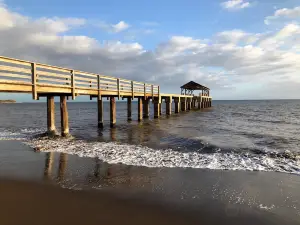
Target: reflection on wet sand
{"points": [[48, 164]]}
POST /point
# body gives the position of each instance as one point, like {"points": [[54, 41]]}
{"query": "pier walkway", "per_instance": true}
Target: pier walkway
{"points": [[41, 80]]}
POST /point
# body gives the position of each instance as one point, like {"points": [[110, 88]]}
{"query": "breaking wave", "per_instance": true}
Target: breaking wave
{"points": [[137, 155]]}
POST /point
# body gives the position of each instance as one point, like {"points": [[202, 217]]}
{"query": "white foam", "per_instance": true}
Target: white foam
{"points": [[23, 134], [144, 156]]}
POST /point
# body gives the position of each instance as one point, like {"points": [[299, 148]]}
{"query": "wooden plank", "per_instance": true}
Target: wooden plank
{"points": [[19, 87], [108, 82], [108, 78], [86, 74], [53, 85], [45, 73], [15, 61], [125, 85], [15, 69], [84, 82], [56, 68], [85, 79], [51, 79], [14, 75]]}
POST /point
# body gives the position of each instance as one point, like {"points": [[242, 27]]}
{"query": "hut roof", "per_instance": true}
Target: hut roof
{"points": [[194, 86]]}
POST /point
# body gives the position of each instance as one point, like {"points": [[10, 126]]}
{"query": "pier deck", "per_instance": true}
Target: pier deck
{"points": [[41, 80]]}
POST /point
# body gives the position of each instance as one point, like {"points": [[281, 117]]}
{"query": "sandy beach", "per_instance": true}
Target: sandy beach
{"points": [[67, 189]]}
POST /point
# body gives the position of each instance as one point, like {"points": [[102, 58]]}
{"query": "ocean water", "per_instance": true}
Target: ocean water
{"points": [[232, 135]]}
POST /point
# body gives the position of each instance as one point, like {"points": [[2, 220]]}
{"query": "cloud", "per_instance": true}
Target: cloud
{"points": [[235, 4], [284, 14], [227, 61], [114, 28]]}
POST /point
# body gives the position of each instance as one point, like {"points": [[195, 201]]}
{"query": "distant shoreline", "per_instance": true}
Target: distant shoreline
{"points": [[8, 101]]}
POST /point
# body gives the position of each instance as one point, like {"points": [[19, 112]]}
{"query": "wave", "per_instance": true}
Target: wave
{"points": [[137, 155], [23, 134]]}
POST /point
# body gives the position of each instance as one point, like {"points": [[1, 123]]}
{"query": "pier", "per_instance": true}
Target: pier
{"points": [[41, 80]]}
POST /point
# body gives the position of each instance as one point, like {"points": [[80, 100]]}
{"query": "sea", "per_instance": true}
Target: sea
{"points": [[239, 160], [260, 135]]}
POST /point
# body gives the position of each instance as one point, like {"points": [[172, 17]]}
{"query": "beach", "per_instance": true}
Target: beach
{"points": [[47, 188]]}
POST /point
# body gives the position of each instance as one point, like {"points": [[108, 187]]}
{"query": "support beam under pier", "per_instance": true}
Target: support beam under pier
{"points": [[140, 109], [168, 106], [177, 105], [156, 107], [129, 109], [64, 116], [146, 108], [113, 115], [183, 104], [51, 116], [100, 112]]}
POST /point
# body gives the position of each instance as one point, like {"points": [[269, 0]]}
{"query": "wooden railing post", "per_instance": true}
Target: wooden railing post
{"points": [[144, 90], [99, 87], [73, 84], [132, 90], [158, 90], [33, 78], [152, 91], [118, 86]]}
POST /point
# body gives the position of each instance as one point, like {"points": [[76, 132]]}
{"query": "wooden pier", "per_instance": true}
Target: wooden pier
{"points": [[19, 76]]}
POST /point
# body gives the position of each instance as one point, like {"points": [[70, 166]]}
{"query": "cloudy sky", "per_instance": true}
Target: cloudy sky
{"points": [[241, 49]]}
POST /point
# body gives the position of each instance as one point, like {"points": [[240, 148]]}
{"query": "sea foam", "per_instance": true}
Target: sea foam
{"points": [[138, 155]]}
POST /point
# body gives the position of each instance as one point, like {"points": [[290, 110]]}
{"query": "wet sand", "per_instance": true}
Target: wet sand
{"points": [[53, 188]]}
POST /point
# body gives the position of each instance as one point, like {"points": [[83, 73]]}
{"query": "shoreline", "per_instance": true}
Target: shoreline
{"points": [[76, 186]]}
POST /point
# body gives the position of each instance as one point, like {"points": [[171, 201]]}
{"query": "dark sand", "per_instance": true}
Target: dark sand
{"points": [[31, 193]]}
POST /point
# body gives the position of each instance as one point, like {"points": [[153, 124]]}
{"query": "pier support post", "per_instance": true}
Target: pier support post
{"points": [[146, 108], [183, 104], [129, 114], [100, 112], [160, 110], [189, 104], [64, 117], [113, 119], [51, 116], [169, 106], [177, 105], [199, 102], [202, 103], [140, 109], [156, 107]]}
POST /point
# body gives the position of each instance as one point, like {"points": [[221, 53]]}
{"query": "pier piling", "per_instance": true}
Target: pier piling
{"points": [[64, 116], [177, 105], [100, 112], [146, 108], [51, 116], [112, 112], [140, 109], [156, 108], [168, 105], [129, 109]]}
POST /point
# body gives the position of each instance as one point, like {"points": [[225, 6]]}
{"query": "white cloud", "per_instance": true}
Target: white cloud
{"points": [[235, 4], [225, 61], [284, 14], [114, 28]]}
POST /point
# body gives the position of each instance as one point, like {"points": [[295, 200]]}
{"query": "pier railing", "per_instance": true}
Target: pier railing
{"points": [[24, 76]]}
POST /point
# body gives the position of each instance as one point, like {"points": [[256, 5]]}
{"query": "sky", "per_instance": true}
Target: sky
{"points": [[241, 49]]}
